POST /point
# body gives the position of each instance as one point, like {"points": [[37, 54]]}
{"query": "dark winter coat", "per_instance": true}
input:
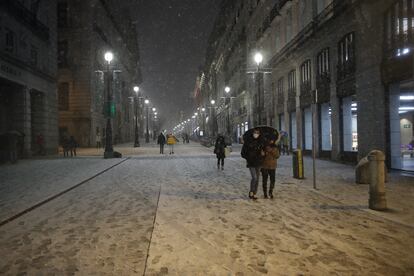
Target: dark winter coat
{"points": [[72, 143], [270, 158], [220, 147], [252, 151], [161, 139]]}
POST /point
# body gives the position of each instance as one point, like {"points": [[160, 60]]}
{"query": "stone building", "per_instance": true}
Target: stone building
{"points": [[87, 29], [28, 68], [354, 56], [226, 67]]}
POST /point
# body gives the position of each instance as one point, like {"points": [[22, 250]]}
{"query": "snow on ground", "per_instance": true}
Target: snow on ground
{"points": [[204, 223]]}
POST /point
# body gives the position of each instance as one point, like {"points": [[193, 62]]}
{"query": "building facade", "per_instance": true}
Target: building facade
{"points": [[353, 57], [28, 68], [87, 29]]}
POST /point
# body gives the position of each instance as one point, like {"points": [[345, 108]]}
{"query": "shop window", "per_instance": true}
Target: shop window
{"points": [[326, 127], [307, 127], [349, 124], [293, 131]]}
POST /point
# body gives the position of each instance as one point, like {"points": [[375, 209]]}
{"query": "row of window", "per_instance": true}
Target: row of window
{"points": [[346, 54]]}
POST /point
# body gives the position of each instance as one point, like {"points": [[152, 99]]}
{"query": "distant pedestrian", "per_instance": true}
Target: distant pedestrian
{"points": [[12, 144], [284, 141], [253, 152], [171, 141], [269, 168], [40, 142], [72, 146], [161, 142], [220, 151], [98, 140], [65, 146]]}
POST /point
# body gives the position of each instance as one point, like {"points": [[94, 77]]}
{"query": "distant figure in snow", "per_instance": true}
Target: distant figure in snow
{"points": [[161, 142], [220, 151]]}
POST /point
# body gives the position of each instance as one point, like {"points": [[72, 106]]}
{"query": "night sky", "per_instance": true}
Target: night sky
{"points": [[173, 38]]}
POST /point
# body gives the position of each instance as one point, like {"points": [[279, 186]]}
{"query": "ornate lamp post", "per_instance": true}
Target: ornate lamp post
{"points": [[258, 58], [147, 132], [213, 119], [136, 140], [228, 105], [109, 151]]}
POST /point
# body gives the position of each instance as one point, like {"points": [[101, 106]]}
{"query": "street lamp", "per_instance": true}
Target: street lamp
{"points": [[213, 121], [258, 58], [147, 132], [109, 151], [153, 122], [227, 96], [136, 142]]}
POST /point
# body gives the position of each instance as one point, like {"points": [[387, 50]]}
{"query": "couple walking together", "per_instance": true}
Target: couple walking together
{"points": [[261, 154]]}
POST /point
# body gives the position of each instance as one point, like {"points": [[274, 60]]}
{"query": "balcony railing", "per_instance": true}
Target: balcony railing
{"points": [[24, 15], [346, 69], [305, 87]]}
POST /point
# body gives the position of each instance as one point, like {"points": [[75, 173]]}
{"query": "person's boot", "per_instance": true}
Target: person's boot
{"points": [[271, 193], [252, 196], [265, 190]]}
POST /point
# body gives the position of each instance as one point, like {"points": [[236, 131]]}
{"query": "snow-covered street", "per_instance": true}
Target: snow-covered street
{"points": [[178, 214]]}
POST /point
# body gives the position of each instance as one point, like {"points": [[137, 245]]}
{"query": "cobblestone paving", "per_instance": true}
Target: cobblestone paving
{"points": [[204, 225]]}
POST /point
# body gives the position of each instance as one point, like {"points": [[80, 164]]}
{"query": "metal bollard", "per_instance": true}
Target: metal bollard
{"points": [[377, 199]]}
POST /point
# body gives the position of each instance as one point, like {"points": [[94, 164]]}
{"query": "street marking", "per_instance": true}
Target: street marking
{"points": [[37, 205]]}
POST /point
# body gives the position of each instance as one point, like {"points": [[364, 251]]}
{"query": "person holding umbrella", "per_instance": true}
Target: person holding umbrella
{"points": [[253, 152]]}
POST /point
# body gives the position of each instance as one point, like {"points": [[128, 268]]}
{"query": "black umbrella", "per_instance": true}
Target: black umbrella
{"points": [[268, 133]]}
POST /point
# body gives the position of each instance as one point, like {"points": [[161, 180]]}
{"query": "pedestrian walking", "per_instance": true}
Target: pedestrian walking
{"points": [[269, 168], [40, 142], [12, 144], [72, 146], [285, 143], [98, 140], [171, 141], [161, 142], [220, 151], [65, 146], [253, 152]]}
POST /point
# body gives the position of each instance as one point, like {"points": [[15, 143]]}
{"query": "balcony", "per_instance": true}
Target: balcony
{"points": [[305, 87], [22, 14], [346, 70], [291, 101], [323, 82]]}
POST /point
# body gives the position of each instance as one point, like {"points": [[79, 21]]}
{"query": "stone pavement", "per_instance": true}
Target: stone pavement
{"points": [[179, 215]]}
